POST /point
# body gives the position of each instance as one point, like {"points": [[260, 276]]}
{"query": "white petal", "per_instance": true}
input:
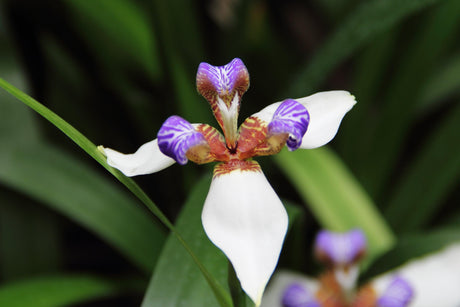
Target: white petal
{"points": [[244, 217], [280, 281], [435, 279], [146, 160], [326, 110]]}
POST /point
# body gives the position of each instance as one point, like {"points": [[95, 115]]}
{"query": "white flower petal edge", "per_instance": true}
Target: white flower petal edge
{"points": [[244, 217], [326, 110], [279, 283], [435, 279], [146, 160]]}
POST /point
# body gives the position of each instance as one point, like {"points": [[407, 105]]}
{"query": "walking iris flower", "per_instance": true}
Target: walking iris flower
{"points": [[430, 281], [242, 214]]}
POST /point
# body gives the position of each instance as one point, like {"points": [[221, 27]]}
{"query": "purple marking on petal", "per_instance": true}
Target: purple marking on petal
{"points": [[176, 136], [293, 118], [223, 77], [340, 248], [297, 295], [398, 294]]}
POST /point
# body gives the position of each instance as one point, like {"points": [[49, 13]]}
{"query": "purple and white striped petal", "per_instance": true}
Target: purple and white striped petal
{"points": [[398, 294], [147, 159], [290, 117], [435, 279], [340, 249], [176, 136], [223, 87], [326, 110], [244, 217], [222, 80], [296, 295]]}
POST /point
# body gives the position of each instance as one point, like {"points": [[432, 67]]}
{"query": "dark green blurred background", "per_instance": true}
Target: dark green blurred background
{"points": [[116, 69]]}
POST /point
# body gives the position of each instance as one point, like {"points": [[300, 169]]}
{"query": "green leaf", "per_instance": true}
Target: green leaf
{"points": [[65, 184], [71, 188], [56, 291], [414, 245], [30, 238], [334, 196], [430, 178], [124, 25], [176, 280], [371, 66], [443, 83], [29, 235], [370, 19], [429, 45], [92, 150]]}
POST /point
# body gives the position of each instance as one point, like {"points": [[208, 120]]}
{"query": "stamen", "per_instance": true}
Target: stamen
{"points": [[229, 120]]}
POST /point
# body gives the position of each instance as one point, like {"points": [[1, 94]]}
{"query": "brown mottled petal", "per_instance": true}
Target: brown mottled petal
{"points": [[254, 141], [218, 150], [222, 83]]}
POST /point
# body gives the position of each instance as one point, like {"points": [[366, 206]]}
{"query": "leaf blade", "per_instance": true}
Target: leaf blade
{"points": [[334, 196], [55, 291], [84, 143]]}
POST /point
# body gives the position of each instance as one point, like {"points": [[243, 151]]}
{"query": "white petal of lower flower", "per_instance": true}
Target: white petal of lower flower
{"points": [[146, 160], [244, 217], [435, 279], [280, 282]]}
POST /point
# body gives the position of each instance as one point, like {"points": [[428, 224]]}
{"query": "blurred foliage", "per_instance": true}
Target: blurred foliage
{"points": [[116, 69]]}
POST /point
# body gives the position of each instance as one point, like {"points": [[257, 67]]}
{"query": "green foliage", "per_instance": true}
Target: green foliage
{"points": [[334, 196], [191, 289], [56, 291], [115, 69]]}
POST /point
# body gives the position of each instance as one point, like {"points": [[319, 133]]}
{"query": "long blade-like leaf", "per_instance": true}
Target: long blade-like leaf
{"points": [[125, 26], [429, 180], [386, 142], [165, 288], [69, 187], [334, 196], [84, 143], [56, 291], [370, 19], [444, 82], [45, 173]]}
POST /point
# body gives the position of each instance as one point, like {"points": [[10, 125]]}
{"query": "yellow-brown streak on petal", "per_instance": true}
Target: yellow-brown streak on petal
{"points": [[366, 297], [272, 145], [232, 165], [200, 154], [253, 140], [329, 293], [206, 88], [252, 133], [218, 149]]}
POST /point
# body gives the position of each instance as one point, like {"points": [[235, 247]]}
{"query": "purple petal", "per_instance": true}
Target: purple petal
{"points": [[398, 294], [297, 295], [176, 136], [340, 248], [223, 78], [290, 117]]}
